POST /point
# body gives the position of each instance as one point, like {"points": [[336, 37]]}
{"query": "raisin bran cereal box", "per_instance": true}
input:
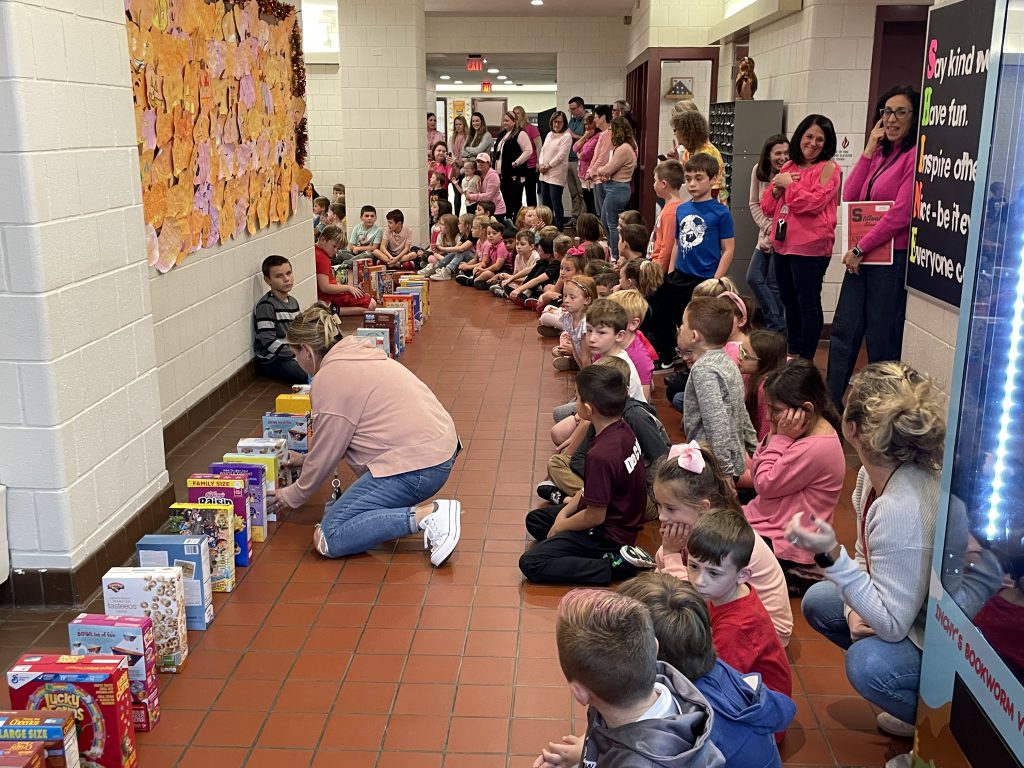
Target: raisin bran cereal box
{"points": [[192, 555], [131, 637], [94, 689], [157, 593], [231, 490], [217, 523], [257, 488], [53, 730], [22, 754]]}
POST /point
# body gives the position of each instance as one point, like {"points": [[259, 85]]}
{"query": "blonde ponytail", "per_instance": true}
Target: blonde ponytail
{"points": [[318, 327]]}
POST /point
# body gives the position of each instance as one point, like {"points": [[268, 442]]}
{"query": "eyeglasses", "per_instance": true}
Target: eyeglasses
{"points": [[899, 114], [744, 355]]}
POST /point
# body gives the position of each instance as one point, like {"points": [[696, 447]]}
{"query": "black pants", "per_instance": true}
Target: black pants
{"points": [[456, 202], [512, 194], [572, 557], [588, 200], [800, 279], [667, 305], [532, 180], [281, 369]]}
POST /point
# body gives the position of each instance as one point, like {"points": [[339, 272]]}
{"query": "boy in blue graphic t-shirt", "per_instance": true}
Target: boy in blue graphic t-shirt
{"points": [[704, 247]]}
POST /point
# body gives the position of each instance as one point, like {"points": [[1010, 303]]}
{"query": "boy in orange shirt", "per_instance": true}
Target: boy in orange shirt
{"points": [[668, 179]]}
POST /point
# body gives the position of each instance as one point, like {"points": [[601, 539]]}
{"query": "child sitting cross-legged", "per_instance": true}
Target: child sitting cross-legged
{"points": [[640, 352], [449, 257], [345, 299], [747, 713], [544, 272], [490, 257], [641, 713], [445, 243], [718, 561], [571, 353], [395, 250], [502, 240], [571, 266], [526, 257], [580, 542], [481, 251]]}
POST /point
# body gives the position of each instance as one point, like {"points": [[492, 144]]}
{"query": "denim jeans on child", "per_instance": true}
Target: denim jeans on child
{"points": [[377, 509], [762, 282], [452, 260], [886, 674]]}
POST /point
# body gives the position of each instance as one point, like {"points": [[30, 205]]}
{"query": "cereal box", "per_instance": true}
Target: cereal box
{"points": [[230, 490], [293, 427], [380, 338], [373, 279], [192, 555], [412, 301], [390, 322], [256, 475], [53, 730], [410, 281], [131, 637], [94, 689], [159, 594], [290, 402], [267, 446], [217, 523], [404, 305], [22, 754], [417, 293], [360, 276]]}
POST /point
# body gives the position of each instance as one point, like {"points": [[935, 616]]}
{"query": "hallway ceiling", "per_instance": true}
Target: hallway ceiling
{"points": [[550, 7], [526, 68]]}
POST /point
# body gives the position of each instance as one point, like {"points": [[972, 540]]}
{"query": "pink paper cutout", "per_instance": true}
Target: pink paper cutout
{"points": [[149, 129]]}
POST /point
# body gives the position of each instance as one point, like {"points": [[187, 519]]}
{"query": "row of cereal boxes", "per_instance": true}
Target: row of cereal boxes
{"points": [[82, 709], [403, 303]]}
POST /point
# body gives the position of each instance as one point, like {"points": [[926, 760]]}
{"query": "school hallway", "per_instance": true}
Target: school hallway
{"points": [[379, 660]]}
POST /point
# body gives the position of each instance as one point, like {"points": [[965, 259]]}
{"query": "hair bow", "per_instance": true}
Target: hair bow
{"points": [[738, 302], [688, 456], [576, 250]]}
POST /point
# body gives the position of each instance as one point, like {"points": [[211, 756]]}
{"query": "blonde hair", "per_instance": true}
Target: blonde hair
{"points": [[585, 284], [466, 220], [618, 364], [549, 231], [648, 275], [636, 306], [317, 327], [899, 413], [715, 286], [544, 213]]}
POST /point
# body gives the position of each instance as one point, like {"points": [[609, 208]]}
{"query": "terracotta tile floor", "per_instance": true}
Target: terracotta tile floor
{"points": [[379, 661]]}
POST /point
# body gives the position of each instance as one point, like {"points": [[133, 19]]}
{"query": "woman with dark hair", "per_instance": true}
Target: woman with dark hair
{"points": [[760, 275], [802, 201], [616, 172], [479, 140], [873, 299], [514, 149], [460, 133], [433, 135], [603, 148], [554, 165], [584, 148]]}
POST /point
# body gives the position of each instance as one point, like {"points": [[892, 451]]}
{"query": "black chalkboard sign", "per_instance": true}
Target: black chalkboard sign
{"points": [[952, 101]]}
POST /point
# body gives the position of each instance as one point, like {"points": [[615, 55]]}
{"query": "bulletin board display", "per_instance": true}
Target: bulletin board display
{"points": [[220, 117]]}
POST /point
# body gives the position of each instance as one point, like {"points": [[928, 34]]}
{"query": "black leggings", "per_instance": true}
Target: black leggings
{"points": [[512, 194], [800, 279]]}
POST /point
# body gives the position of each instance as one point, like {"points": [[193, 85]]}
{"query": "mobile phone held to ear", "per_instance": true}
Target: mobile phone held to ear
{"points": [[663, 158]]}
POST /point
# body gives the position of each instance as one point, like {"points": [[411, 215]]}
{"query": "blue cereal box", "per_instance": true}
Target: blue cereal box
{"points": [[257, 474], [231, 490], [192, 555], [293, 427]]}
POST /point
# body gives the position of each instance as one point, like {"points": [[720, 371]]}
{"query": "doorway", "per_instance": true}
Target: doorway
{"points": [[898, 55], [493, 109]]}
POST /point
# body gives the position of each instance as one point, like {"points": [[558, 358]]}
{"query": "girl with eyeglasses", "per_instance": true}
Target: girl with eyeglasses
{"points": [[873, 299]]}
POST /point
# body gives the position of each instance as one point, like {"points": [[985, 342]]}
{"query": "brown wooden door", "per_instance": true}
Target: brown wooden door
{"points": [[637, 94], [898, 55]]}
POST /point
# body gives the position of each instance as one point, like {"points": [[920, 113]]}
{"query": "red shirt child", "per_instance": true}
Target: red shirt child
{"points": [[745, 639], [323, 267]]}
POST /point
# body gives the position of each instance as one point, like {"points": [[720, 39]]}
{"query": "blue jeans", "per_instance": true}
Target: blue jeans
{"points": [[886, 674], [377, 509], [598, 199], [453, 259], [761, 279], [616, 198], [872, 304]]}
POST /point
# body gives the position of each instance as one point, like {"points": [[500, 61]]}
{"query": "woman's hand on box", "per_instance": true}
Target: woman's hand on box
{"points": [[294, 459]]}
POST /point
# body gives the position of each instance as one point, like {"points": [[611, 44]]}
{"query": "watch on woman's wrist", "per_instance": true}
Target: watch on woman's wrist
{"points": [[857, 252], [828, 559]]}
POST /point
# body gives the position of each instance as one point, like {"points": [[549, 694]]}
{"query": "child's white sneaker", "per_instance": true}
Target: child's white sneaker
{"points": [[427, 270], [442, 274], [441, 530]]}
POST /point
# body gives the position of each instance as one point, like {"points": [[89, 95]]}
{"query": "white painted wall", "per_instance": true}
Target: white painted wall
{"points": [[700, 71], [323, 118]]}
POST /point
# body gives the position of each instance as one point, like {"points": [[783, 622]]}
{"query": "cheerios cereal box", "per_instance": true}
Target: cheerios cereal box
{"points": [[159, 594], [53, 729]]}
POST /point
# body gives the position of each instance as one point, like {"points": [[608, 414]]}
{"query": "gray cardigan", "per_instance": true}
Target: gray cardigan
{"points": [[470, 152], [713, 411]]}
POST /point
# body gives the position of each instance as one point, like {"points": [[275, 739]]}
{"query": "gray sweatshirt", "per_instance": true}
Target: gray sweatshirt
{"points": [[714, 413]]}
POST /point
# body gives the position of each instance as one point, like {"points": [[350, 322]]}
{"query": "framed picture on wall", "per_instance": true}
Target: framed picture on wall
{"points": [[680, 88]]}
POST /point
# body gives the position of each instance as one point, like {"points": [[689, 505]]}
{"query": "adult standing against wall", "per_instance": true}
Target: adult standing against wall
{"points": [[802, 201], [513, 152], [602, 153], [585, 147], [554, 166], [373, 413], [479, 140], [617, 174], [490, 186], [693, 135], [576, 129], [532, 174], [873, 604], [433, 135], [761, 272], [455, 147], [873, 299]]}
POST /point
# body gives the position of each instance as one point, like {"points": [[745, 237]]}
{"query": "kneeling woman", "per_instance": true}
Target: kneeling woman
{"points": [[374, 413]]}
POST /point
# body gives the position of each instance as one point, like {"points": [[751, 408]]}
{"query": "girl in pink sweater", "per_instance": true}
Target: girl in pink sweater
{"points": [[800, 466], [801, 201]]}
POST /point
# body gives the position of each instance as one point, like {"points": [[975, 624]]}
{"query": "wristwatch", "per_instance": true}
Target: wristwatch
{"points": [[824, 559], [857, 252]]}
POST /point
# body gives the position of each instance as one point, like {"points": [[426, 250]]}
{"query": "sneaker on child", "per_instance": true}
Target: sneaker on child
{"points": [[550, 492], [549, 331], [427, 270], [638, 558], [441, 530], [442, 274]]}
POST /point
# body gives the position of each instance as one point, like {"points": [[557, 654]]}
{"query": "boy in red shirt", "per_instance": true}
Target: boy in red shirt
{"points": [[347, 299], [744, 637]]}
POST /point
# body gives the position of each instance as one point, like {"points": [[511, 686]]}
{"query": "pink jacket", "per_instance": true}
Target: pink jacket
{"points": [[555, 154], [790, 476], [811, 217], [895, 181], [766, 577], [490, 189], [602, 152], [585, 153]]}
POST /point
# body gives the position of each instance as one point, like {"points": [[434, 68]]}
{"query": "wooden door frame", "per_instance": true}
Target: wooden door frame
{"points": [[885, 14], [651, 111]]}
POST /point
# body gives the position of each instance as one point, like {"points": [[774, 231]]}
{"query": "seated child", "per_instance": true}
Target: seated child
{"points": [[495, 260], [552, 293], [367, 234], [747, 713], [1001, 618], [741, 309], [607, 334], [589, 230], [486, 208], [570, 353], [346, 299], [686, 484], [449, 257], [640, 713], [481, 251], [718, 561], [580, 542], [320, 207], [396, 246], [713, 408], [641, 353], [526, 257], [607, 281], [545, 271], [443, 242], [633, 239], [760, 355], [271, 318]]}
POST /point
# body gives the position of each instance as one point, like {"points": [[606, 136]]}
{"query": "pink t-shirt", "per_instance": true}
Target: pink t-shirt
{"points": [[642, 361], [533, 132], [790, 476]]}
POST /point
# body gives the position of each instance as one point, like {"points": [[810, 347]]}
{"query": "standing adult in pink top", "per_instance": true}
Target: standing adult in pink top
{"points": [[799, 466], [554, 166], [602, 152], [460, 132], [885, 171], [387, 425], [802, 201], [490, 185], [433, 135], [616, 175], [532, 170], [584, 149]]}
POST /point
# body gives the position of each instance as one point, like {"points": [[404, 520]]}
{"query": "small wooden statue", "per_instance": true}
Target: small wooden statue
{"points": [[746, 80]]}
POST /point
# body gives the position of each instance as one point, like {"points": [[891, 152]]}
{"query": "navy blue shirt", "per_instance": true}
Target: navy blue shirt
{"points": [[700, 228]]}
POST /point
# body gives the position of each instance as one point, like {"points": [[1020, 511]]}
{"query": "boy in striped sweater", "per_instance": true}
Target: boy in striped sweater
{"points": [[273, 313]]}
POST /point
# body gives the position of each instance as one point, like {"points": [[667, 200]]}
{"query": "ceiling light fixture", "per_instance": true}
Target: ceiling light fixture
{"points": [[503, 77], [493, 71], [446, 77], [457, 82], [536, 2]]}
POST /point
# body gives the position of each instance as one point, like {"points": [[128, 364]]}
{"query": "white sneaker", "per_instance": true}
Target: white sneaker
{"points": [[894, 726], [442, 274], [441, 530], [427, 270], [900, 761]]}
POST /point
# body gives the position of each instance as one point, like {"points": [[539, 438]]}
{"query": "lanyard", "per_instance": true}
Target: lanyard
{"points": [[881, 169]]}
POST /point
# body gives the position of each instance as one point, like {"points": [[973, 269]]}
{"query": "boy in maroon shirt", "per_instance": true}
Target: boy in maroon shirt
{"points": [[581, 541], [742, 632]]}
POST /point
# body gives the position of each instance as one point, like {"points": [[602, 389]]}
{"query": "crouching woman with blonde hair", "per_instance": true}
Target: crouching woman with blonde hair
{"points": [[375, 414]]}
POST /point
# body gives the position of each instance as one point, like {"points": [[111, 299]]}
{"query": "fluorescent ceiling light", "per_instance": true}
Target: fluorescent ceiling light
{"points": [[493, 71], [536, 2], [446, 77], [457, 82], [503, 77]]}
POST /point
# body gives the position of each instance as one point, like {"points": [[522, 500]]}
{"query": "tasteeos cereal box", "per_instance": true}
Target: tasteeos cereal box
{"points": [[159, 594], [257, 487], [230, 490], [217, 523], [54, 731], [389, 321], [94, 689], [192, 555], [22, 754], [291, 426], [131, 637]]}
